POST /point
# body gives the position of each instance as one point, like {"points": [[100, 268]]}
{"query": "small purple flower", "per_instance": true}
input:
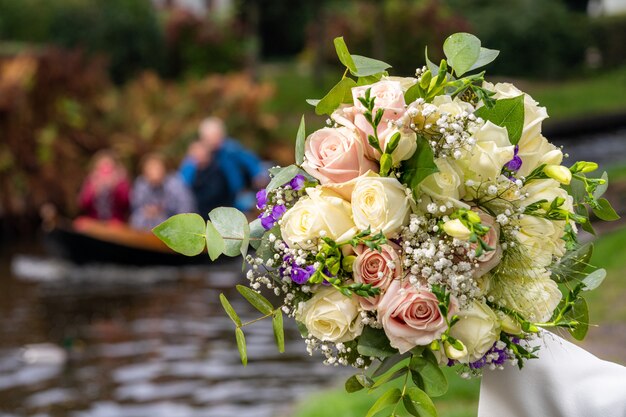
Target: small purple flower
{"points": [[301, 275], [269, 220], [261, 199], [514, 164], [500, 359], [297, 182]]}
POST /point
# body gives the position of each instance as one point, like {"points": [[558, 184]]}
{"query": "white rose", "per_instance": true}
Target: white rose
{"points": [[324, 211], [533, 113], [381, 203], [492, 151], [535, 151], [330, 316], [540, 238], [405, 82], [454, 107], [406, 146], [478, 329], [446, 185], [530, 293]]}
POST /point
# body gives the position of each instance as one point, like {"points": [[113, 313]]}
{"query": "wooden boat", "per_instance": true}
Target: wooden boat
{"points": [[92, 241]]}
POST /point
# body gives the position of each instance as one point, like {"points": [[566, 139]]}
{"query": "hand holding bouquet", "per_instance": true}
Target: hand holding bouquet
{"points": [[430, 224]]}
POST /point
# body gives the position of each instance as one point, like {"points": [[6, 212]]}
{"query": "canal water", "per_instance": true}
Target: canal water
{"points": [[119, 342]]}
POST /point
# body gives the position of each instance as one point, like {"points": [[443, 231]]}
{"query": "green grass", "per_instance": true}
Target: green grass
{"points": [[461, 400]]}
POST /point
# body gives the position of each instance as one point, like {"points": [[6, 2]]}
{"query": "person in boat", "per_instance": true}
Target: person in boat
{"points": [[157, 195], [220, 171], [106, 190]]}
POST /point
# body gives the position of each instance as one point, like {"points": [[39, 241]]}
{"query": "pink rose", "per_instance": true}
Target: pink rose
{"points": [[336, 155], [411, 317], [489, 259], [388, 96], [376, 268]]}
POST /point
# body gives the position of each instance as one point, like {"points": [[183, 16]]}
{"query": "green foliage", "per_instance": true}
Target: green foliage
{"points": [[508, 113], [256, 300], [233, 226], [418, 403], [579, 313], [374, 342], [230, 311], [573, 264], [214, 241], [184, 233], [300, 142], [340, 93], [241, 345], [419, 166], [427, 374], [386, 400], [462, 51], [279, 332]]}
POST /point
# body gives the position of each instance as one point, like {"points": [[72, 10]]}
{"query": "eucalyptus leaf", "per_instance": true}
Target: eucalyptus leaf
{"points": [[300, 139], [368, 66], [214, 241], [601, 189], [183, 233], [418, 403], [256, 233], [605, 211], [486, 56], [279, 331], [344, 56], [340, 93], [265, 250], [462, 51], [233, 226], [370, 79], [241, 345], [419, 166], [230, 311], [388, 399], [374, 342], [573, 264], [282, 177], [580, 313], [594, 280], [507, 113], [255, 299], [434, 68]]}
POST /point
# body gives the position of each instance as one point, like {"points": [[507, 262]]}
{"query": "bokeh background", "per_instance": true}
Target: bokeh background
{"points": [[77, 76]]}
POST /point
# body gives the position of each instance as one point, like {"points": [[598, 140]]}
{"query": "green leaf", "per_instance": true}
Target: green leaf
{"points": [[357, 383], [257, 300], [304, 331], [593, 280], [389, 362], [368, 66], [230, 310], [433, 379], [370, 79], [183, 233], [300, 139], [573, 264], [341, 92], [605, 211], [215, 242], [580, 313], [374, 342], [344, 56], [486, 56], [233, 226], [313, 101], [601, 188], [418, 403], [388, 399], [282, 177], [508, 113], [413, 93], [279, 331], [462, 51], [434, 68], [241, 345], [419, 166], [256, 233], [266, 249]]}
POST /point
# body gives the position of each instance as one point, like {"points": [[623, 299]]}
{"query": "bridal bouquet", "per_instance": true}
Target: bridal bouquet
{"points": [[430, 224]]}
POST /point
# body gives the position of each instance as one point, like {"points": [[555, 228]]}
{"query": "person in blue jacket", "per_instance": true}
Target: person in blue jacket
{"points": [[220, 171]]}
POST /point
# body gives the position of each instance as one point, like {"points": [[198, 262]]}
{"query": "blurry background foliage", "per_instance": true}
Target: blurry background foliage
{"points": [[77, 76]]}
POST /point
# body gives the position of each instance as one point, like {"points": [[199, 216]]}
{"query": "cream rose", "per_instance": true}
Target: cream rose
{"points": [[540, 238], [381, 203], [492, 150], [322, 210], [378, 268], [335, 155], [411, 316], [478, 329], [533, 113], [446, 185], [406, 146], [451, 106], [330, 316], [535, 151], [530, 292]]}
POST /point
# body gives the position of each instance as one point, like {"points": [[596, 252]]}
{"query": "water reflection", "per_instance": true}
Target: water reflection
{"points": [[163, 348]]}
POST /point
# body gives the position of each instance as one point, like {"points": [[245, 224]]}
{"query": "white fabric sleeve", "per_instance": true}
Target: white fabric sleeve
{"points": [[566, 381]]}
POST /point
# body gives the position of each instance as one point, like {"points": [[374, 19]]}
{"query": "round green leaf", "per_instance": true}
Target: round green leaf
{"points": [[418, 403], [462, 51], [232, 225], [593, 280], [215, 243], [184, 233]]}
